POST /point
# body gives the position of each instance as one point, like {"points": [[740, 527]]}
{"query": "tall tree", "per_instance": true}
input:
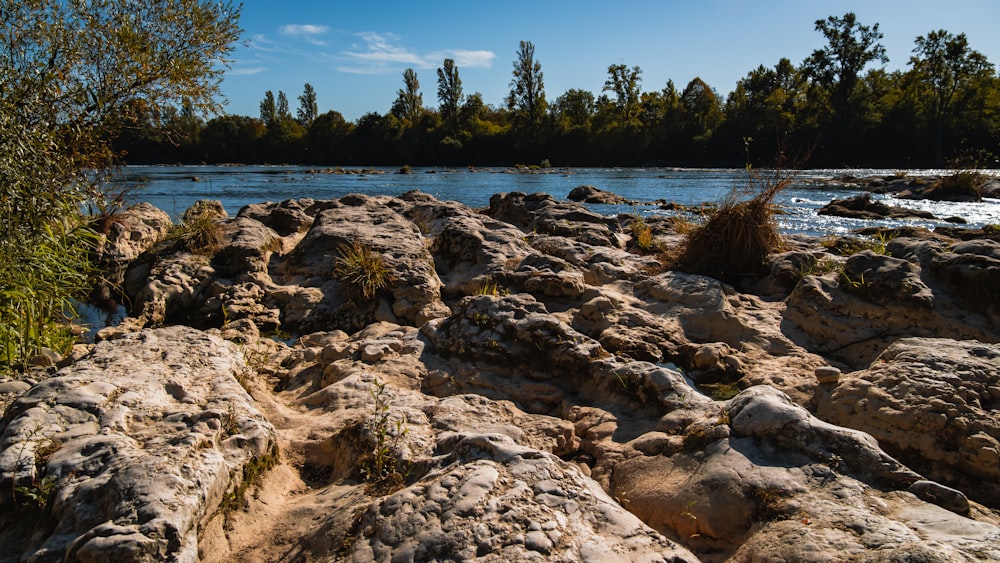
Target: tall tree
{"points": [[702, 109], [836, 69], [626, 84], [449, 93], [764, 104], [308, 109], [527, 90], [951, 74], [268, 109], [281, 110], [409, 104]]}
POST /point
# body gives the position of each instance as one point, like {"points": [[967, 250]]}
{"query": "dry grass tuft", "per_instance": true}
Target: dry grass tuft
{"points": [[738, 235]]}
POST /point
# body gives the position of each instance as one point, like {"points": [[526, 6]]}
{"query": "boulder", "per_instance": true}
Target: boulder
{"points": [[933, 404], [863, 207], [591, 194], [542, 213]]}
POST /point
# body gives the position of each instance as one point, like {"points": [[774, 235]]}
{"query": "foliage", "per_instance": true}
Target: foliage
{"points": [[835, 105], [308, 109], [253, 475], [527, 89], [38, 492], [642, 234], [449, 93], [74, 74], [625, 84], [409, 104], [200, 232], [380, 468], [362, 269]]}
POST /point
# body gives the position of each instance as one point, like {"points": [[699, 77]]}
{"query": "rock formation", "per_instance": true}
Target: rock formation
{"points": [[520, 387]]}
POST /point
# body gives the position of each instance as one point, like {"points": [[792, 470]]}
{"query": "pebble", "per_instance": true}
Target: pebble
{"points": [[827, 375]]}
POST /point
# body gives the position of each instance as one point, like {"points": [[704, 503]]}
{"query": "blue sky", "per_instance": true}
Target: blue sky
{"points": [[354, 52]]}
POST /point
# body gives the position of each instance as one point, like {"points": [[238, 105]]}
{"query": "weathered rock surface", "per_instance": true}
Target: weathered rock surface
{"points": [[919, 287], [591, 194], [132, 450], [933, 403], [513, 389]]}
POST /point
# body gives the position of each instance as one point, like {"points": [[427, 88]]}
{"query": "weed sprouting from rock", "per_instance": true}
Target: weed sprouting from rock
{"points": [[362, 269], [380, 468]]}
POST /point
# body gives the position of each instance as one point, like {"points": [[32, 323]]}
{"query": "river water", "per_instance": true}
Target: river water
{"points": [[174, 188]]}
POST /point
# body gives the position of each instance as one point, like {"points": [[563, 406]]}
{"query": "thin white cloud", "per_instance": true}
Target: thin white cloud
{"points": [[247, 71], [383, 52], [474, 59], [307, 32]]}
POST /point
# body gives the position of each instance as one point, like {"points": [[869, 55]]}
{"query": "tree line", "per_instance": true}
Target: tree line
{"points": [[839, 107]]}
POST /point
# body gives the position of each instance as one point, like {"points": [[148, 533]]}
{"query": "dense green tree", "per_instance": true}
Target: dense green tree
{"points": [[449, 94], [763, 106], [308, 108], [409, 104], [835, 71], [626, 84], [526, 100], [327, 139], [281, 110], [950, 77], [574, 109], [835, 107], [73, 74], [268, 109], [702, 109], [231, 138]]}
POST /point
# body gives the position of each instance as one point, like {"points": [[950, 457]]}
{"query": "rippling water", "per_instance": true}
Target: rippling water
{"points": [[175, 188]]}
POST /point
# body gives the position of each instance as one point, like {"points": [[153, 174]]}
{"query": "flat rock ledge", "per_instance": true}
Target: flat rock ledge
{"points": [[140, 444]]}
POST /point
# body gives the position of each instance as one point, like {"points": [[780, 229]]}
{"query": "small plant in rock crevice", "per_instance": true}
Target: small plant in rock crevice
{"points": [[362, 269], [253, 474], [642, 234], [380, 467], [38, 492], [199, 233]]}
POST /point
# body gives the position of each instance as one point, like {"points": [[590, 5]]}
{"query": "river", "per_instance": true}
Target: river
{"points": [[175, 188]]}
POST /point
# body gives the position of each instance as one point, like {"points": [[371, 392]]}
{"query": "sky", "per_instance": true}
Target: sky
{"points": [[354, 52]]}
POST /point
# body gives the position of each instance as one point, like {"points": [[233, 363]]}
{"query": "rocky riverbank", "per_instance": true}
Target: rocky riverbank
{"points": [[519, 386]]}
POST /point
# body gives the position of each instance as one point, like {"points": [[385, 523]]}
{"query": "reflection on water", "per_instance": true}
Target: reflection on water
{"points": [[175, 188]]}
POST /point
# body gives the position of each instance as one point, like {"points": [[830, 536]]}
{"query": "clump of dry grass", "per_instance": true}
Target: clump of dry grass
{"points": [[738, 235], [362, 269]]}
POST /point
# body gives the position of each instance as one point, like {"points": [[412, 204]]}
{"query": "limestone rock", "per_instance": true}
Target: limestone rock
{"points": [[377, 223], [932, 402], [471, 250], [853, 317], [139, 444], [497, 501], [544, 214]]}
